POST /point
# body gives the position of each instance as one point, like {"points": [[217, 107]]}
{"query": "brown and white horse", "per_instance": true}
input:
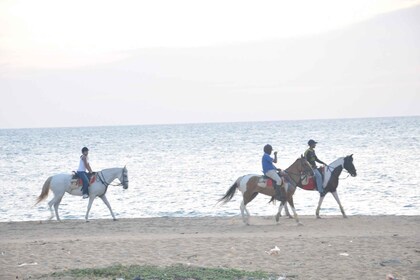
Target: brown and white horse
{"points": [[251, 185], [331, 177]]}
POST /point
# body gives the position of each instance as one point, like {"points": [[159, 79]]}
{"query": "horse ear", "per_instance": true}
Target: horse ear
{"points": [[351, 155]]}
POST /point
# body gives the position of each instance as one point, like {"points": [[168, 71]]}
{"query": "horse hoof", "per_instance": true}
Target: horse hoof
{"points": [[299, 224], [115, 219], [278, 218], [87, 221], [318, 217]]}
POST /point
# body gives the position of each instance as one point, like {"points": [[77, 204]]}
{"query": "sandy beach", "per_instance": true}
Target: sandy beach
{"points": [[360, 247]]}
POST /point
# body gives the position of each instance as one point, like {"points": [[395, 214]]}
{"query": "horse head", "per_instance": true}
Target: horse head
{"points": [[305, 167], [301, 167], [124, 178], [349, 166]]}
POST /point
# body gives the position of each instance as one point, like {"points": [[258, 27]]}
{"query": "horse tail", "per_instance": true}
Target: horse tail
{"points": [[45, 190], [229, 194]]}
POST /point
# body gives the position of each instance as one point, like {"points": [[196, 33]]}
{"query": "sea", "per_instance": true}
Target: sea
{"points": [[182, 170]]}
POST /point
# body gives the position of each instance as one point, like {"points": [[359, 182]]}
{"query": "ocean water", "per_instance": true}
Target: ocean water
{"points": [[182, 170]]}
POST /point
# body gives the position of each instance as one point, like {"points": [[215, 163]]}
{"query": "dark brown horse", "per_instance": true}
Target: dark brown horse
{"points": [[251, 185], [331, 177]]}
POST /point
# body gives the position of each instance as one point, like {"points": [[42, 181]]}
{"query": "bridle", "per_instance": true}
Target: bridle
{"points": [[302, 173], [123, 182], [350, 173]]}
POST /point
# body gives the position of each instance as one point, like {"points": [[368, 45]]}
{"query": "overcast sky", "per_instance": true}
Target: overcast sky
{"points": [[87, 63]]}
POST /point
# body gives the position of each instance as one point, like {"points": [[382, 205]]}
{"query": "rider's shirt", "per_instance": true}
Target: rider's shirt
{"points": [[267, 163], [82, 166], [311, 157]]}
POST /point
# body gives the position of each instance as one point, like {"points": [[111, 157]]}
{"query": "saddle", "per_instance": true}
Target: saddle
{"points": [[309, 183], [265, 182], [76, 181]]}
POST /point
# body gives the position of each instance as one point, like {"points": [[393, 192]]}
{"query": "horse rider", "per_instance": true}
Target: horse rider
{"points": [[270, 170], [81, 171], [312, 158]]}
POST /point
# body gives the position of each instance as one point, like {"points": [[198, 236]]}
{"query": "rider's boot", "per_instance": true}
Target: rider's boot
{"points": [[279, 195]]}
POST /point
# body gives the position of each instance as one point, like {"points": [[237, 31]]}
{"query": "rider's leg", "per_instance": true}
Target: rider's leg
{"points": [[85, 181], [278, 181], [318, 179]]}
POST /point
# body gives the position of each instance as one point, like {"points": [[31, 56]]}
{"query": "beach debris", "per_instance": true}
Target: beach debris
{"points": [[390, 277], [273, 251], [192, 256], [344, 254], [390, 262], [25, 264]]}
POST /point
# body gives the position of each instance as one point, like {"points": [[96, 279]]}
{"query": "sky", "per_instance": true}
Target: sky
{"points": [[88, 63]]}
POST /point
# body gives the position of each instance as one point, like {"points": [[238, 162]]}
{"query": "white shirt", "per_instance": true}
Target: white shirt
{"points": [[82, 166]]}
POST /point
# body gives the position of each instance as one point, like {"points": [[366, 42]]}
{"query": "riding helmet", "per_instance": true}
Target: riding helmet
{"points": [[268, 148], [311, 142]]}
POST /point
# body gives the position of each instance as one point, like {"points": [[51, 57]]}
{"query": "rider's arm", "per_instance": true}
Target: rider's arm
{"points": [[275, 157]]}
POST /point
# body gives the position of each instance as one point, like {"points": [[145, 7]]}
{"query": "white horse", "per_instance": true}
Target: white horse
{"points": [[62, 183]]}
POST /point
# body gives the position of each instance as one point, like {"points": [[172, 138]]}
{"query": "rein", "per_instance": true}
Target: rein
{"points": [[348, 174], [106, 184], [300, 176]]}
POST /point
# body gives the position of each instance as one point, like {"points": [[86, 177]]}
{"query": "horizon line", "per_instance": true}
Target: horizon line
{"points": [[208, 122]]}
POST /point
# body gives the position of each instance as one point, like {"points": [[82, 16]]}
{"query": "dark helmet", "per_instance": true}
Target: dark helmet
{"points": [[268, 148], [311, 142], [85, 149]]}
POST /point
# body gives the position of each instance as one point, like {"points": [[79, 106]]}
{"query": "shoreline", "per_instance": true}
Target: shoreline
{"points": [[359, 247]]}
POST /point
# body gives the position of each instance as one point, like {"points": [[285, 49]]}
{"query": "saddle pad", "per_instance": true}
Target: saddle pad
{"points": [[309, 184], [265, 182], [76, 183]]}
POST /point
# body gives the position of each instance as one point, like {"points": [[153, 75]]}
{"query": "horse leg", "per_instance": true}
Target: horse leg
{"points": [[54, 201], [287, 186], [321, 198], [91, 198], [335, 194], [287, 211], [278, 215], [56, 204], [245, 213], [295, 215], [50, 204], [105, 200], [247, 198]]}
